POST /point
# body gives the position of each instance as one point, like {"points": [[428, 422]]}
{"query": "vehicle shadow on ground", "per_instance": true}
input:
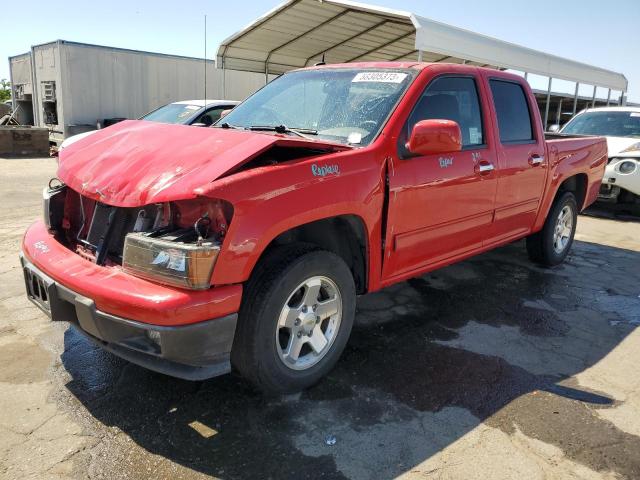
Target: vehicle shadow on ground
{"points": [[429, 361], [621, 213]]}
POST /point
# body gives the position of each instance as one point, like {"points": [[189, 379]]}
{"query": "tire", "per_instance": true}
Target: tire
{"points": [[276, 315], [545, 247]]}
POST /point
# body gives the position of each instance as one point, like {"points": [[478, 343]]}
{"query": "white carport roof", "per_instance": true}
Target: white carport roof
{"points": [[298, 32]]}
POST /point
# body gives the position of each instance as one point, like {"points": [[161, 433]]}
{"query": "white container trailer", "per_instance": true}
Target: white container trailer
{"points": [[71, 87], [20, 77]]}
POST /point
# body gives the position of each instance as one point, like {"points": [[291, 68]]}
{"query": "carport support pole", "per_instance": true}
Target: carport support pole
{"points": [[559, 112], [420, 55], [593, 99], [608, 97], [575, 98], [546, 109], [224, 81]]}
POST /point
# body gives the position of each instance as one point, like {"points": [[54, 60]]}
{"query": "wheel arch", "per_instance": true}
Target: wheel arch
{"points": [[576, 184], [343, 235]]}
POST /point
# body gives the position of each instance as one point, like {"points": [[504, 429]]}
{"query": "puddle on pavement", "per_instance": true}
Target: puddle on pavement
{"points": [[485, 290]]}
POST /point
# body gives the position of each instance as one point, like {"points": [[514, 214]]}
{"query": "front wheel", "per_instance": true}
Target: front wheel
{"points": [[296, 318], [551, 245]]}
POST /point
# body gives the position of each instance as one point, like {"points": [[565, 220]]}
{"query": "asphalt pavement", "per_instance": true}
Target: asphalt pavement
{"points": [[492, 368]]}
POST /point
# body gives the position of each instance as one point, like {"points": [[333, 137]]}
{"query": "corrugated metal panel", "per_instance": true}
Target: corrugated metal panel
{"points": [[366, 41], [298, 32]]}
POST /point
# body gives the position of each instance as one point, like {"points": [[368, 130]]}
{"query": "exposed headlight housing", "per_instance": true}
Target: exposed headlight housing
{"points": [[172, 262], [53, 197], [627, 166]]}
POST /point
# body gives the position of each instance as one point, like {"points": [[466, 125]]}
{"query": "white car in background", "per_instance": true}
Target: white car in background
{"points": [[202, 113], [621, 127]]}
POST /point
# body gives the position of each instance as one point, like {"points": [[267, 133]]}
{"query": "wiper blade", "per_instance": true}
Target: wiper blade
{"points": [[306, 131], [301, 132]]}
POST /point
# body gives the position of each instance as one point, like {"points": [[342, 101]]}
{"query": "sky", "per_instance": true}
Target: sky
{"points": [[603, 34]]}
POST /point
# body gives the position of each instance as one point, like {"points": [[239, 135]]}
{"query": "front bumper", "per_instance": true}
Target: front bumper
{"points": [[614, 178], [194, 352], [123, 295]]}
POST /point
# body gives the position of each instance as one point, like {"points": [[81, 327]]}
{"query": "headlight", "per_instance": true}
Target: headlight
{"points": [[165, 260], [627, 166]]}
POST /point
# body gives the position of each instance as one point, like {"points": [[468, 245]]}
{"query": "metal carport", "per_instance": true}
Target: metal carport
{"points": [[298, 33]]}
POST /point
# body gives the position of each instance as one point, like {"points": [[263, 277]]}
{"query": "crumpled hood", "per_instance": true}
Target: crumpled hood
{"points": [[135, 163], [615, 146]]}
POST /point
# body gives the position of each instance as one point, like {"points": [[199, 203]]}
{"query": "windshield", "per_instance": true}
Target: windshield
{"points": [[172, 113], [610, 124], [342, 105]]}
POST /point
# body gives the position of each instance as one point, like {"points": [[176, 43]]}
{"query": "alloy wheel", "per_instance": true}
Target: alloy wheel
{"points": [[309, 322]]}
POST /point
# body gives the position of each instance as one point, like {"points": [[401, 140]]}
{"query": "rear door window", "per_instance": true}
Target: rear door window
{"points": [[512, 109]]}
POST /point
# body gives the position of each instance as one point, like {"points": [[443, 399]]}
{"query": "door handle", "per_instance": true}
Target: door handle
{"points": [[535, 160], [484, 168]]}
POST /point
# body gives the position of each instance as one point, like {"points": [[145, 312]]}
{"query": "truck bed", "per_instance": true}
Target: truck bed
{"points": [[569, 154], [565, 143]]}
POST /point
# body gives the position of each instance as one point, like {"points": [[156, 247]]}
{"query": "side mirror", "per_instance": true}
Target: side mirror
{"points": [[430, 137], [554, 128]]}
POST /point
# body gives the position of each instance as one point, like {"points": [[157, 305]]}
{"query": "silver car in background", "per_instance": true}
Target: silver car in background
{"points": [[201, 113]]}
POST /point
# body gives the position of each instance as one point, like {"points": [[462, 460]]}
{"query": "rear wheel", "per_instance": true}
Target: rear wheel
{"points": [[296, 317], [551, 245]]}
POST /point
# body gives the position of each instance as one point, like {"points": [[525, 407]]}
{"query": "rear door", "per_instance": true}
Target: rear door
{"points": [[521, 159], [441, 206]]}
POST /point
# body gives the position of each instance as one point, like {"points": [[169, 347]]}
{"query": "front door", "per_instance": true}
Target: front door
{"points": [[441, 206]]}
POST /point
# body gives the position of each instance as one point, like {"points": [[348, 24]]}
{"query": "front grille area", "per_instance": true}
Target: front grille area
{"points": [[37, 289], [97, 231], [105, 235], [109, 226]]}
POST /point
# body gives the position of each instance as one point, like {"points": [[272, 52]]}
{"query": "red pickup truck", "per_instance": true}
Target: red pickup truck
{"points": [[193, 251]]}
